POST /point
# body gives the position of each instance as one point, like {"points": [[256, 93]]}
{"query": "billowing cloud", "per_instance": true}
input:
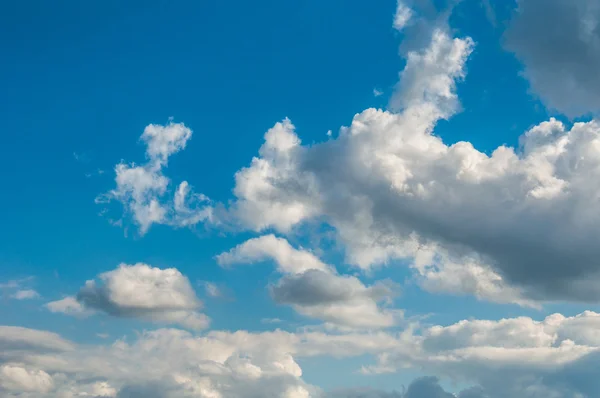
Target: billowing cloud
{"points": [[314, 288], [539, 357], [174, 363], [139, 291], [516, 224], [560, 64], [18, 379], [554, 357]]}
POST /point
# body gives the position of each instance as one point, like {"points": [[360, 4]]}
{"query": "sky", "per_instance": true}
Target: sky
{"points": [[325, 199]]}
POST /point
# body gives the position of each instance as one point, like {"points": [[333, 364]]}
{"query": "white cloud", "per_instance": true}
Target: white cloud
{"points": [[266, 247], [142, 190], [139, 291], [24, 339], [18, 289], [402, 16], [18, 379], [212, 290], [314, 288], [534, 355], [516, 224], [548, 356], [25, 294], [68, 305]]}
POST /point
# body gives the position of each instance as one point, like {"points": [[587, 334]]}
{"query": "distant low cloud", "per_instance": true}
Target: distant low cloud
{"points": [[26, 294]]}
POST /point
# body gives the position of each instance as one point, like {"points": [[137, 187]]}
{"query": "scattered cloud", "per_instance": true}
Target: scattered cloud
{"points": [[19, 289], [142, 189], [25, 294], [402, 16], [270, 320]]}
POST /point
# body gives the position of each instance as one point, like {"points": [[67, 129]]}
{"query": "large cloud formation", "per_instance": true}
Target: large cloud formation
{"points": [[559, 44], [514, 226], [518, 224], [555, 357]]}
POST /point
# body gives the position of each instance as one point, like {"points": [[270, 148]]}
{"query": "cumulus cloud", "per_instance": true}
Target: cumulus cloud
{"points": [[560, 64], [174, 363], [18, 379], [314, 288], [554, 357], [143, 189], [269, 247], [534, 355], [517, 223], [139, 291], [514, 226]]}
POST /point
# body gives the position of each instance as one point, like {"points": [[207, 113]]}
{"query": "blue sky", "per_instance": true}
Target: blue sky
{"points": [[375, 232]]}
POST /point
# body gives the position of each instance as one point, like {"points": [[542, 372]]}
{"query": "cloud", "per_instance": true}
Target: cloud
{"points": [[15, 378], [139, 291], [402, 16], [68, 305], [25, 294], [513, 226], [18, 289], [515, 223], [267, 247], [337, 299], [555, 357], [314, 288], [212, 290], [142, 189], [560, 64], [539, 357], [15, 338]]}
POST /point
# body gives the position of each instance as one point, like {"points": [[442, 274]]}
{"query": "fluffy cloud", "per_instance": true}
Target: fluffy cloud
{"points": [[142, 189], [18, 379], [541, 358], [516, 224], [561, 64], [315, 289], [174, 363], [269, 247], [555, 357], [139, 291]]}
